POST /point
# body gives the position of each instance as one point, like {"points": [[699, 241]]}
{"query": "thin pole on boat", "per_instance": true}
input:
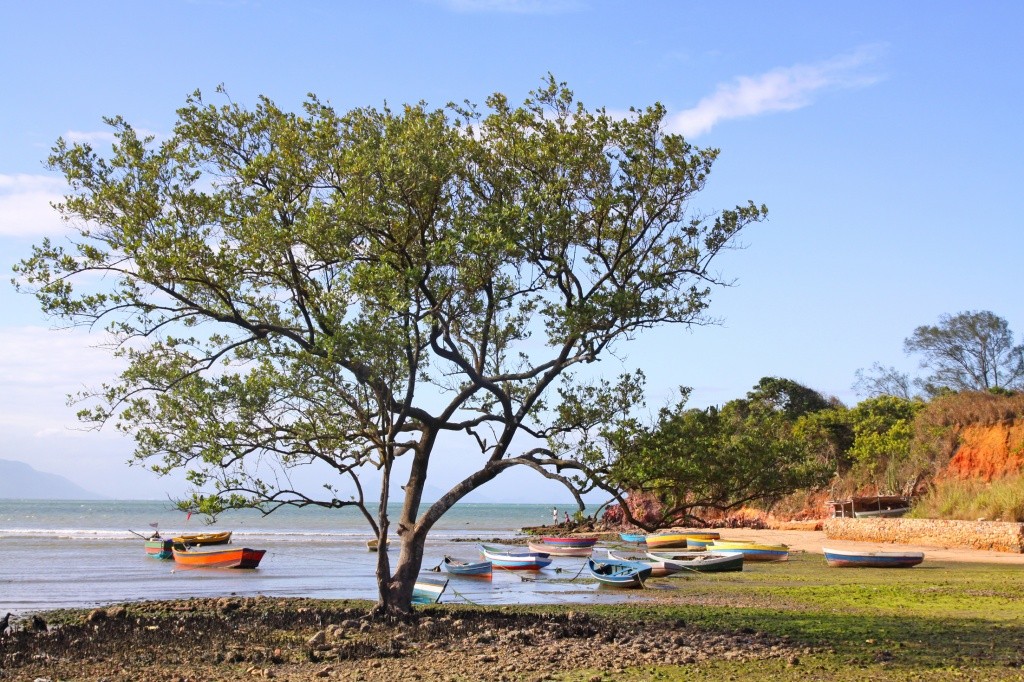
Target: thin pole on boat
{"points": [[139, 534]]}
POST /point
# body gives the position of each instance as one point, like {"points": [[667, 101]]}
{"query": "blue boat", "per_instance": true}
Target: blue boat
{"points": [[619, 573], [460, 567], [428, 589], [636, 538], [515, 560]]}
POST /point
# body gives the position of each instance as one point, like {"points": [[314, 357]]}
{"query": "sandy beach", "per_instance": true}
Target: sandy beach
{"points": [[811, 541]]}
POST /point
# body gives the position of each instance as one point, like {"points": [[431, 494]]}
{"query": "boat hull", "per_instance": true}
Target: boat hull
{"points": [[666, 541], [556, 550], [457, 567], [221, 538], [854, 559], [570, 541], [428, 589], [160, 549], [660, 568], [621, 574], [515, 560], [703, 562], [636, 538], [234, 557], [751, 551]]}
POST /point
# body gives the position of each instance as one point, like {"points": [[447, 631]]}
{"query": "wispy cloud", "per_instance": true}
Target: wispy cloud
{"points": [[25, 209], [513, 6], [783, 89], [105, 136], [91, 137]]}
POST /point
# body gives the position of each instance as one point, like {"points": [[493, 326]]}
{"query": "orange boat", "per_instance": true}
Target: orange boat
{"points": [[218, 557]]}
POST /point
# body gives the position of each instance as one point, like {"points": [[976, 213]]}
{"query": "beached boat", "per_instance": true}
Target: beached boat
{"points": [[515, 560], [751, 551], [619, 573], [660, 568], [217, 557], [159, 548], [460, 567], [373, 543], [860, 558], [558, 550], [701, 540], [221, 538], [428, 588], [701, 562], [881, 513], [637, 538], [666, 540], [570, 540], [886, 506]]}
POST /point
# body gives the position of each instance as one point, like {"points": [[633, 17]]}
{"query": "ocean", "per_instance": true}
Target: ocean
{"points": [[81, 554]]}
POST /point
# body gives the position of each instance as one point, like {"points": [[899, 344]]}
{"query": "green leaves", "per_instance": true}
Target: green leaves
{"points": [[341, 288]]}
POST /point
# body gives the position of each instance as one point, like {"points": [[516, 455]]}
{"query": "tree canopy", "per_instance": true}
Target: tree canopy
{"points": [[350, 289], [722, 458], [969, 351]]}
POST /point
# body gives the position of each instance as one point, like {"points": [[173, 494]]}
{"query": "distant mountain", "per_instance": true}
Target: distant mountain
{"points": [[20, 481]]}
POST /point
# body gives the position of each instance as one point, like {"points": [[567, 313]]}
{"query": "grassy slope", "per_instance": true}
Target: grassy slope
{"points": [[936, 621]]}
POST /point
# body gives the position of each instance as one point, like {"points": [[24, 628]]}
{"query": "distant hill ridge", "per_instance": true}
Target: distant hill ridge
{"points": [[19, 481]]}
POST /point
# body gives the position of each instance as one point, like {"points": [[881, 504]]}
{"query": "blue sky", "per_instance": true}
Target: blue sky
{"points": [[886, 138]]}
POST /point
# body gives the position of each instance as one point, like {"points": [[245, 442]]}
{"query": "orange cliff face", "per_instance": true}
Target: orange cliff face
{"points": [[989, 452]]}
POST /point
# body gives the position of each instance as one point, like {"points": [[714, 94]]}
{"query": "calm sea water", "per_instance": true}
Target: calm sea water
{"points": [[56, 554]]}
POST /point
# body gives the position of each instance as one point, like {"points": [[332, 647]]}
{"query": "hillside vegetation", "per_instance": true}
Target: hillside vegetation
{"points": [[957, 456]]}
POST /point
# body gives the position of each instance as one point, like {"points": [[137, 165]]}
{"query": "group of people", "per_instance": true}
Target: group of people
{"points": [[554, 516]]}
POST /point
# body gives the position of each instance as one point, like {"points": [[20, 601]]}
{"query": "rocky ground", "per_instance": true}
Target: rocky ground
{"points": [[297, 639]]}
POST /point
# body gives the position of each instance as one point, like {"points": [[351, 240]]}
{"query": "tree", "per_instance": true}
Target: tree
{"points": [[883, 429], [969, 351], [352, 290], [789, 397], [717, 458], [881, 380]]}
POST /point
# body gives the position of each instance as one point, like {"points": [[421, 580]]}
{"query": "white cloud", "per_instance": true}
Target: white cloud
{"points": [[514, 6], [78, 136], [93, 137], [37, 359], [25, 205], [783, 89]]}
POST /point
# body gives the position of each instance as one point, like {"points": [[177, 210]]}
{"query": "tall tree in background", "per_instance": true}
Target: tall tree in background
{"points": [[352, 290], [881, 380], [969, 351]]}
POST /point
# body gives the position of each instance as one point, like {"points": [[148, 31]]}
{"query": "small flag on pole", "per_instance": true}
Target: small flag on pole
{"points": [[154, 525], [188, 516]]}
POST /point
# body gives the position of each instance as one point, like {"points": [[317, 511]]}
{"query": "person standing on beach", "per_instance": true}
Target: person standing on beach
{"points": [[554, 515]]}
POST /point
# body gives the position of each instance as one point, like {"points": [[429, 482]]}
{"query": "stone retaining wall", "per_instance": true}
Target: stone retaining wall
{"points": [[990, 535]]}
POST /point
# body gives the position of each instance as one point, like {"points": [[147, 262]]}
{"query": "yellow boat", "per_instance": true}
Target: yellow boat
{"points": [[372, 544], [666, 540], [751, 551], [671, 539], [220, 538]]}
